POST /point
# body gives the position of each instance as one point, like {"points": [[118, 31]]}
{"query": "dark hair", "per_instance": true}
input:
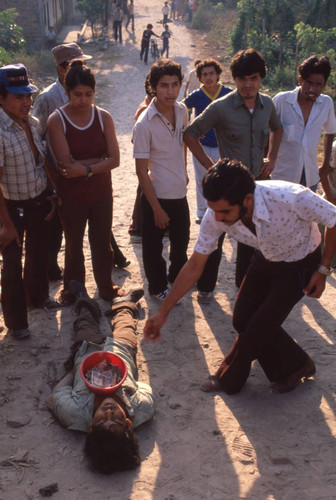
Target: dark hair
{"points": [[229, 180], [206, 63], [149, 26], [164, 67], [247, 62], [315, 65], [148, 88], [79, 74], [197, 61], [109, 452]]}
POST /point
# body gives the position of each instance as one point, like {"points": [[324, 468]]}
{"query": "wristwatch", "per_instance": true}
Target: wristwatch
{"points": [[89, 171], [326, 271]]}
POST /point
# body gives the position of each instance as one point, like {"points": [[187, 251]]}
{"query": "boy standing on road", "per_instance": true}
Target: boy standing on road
{"points": [[146, 36], [160, 159]]}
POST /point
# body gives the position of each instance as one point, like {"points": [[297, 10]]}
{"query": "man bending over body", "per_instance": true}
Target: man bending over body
{"points": [[279, 219]]}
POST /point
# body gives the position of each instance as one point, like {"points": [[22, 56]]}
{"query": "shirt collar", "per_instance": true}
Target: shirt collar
{"points": [[238, 101], [152, 109], [8, 122], [212, 97], [292, 97]]}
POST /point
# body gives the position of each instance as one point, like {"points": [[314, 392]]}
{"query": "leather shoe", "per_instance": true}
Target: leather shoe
{"points": [[293, 380], [132, 296], [211, 384]]}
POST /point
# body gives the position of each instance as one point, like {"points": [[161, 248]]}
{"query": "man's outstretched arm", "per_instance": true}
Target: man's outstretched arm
{"points": [[186, 278]]}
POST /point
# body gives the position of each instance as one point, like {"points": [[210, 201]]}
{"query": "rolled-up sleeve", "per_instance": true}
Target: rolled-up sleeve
{"points": [[141, 141], [204, 122]]}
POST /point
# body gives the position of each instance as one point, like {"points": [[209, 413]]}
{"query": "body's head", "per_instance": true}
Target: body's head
{"points": [[228, 187], [80, 85], [149, 26], [313, 77], [16, 91], [248, 69], [111, 444], [165, 78], [65, 54], [208, 72]]}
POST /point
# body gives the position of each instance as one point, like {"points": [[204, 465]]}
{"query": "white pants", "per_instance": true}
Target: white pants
{"points": [[202, 205]]}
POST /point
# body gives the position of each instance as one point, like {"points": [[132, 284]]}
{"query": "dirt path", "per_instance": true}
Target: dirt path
{"points": [[254, 445]]}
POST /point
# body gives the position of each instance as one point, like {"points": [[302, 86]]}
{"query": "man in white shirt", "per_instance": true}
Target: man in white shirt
{"points": [[160, 158], [280, 220], [304, 112]]}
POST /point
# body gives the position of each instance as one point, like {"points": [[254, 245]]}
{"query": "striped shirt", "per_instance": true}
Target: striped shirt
{"points": [[22, 178]]}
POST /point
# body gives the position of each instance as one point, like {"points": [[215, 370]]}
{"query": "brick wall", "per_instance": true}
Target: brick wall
{"points": [[29, 18]]}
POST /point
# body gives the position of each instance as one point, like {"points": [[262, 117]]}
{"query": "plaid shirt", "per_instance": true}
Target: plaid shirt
{"points": [[21, 179]]}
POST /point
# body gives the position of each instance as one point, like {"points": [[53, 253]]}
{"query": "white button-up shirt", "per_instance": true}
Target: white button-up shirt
{"points": [[155, 139], [298, 148], [285, 217]]}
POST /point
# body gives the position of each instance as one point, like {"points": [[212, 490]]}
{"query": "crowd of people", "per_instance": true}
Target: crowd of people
{"points": [[256, 172]]}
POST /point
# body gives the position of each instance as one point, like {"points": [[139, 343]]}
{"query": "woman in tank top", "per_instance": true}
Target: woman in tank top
{"points": [[84, 142]]}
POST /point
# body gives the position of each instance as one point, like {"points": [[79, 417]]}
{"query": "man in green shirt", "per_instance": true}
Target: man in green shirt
{"points": [[244, 121]]}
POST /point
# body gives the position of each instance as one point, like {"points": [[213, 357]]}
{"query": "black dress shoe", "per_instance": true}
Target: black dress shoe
{"points": [[132, 296], [293, 380]]}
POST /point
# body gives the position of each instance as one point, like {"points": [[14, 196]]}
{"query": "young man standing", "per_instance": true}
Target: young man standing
{"points": [[280, 220], [208, 72], [160, 159], [25, 203], [243, 121], [304, 112]]}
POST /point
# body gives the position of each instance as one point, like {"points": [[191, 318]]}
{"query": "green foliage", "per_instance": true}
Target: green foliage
{"points": [[93, 10], [285, 32], [11, 38], [203, 17]]}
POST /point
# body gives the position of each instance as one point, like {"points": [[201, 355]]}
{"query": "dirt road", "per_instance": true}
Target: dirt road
{"points": [[254, 445]]}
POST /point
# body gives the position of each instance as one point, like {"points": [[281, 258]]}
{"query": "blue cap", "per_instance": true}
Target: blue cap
{"points": [[14, 78]]}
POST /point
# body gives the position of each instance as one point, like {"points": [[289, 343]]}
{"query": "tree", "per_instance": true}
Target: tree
{"points": [[11, 39], [93, 10]]}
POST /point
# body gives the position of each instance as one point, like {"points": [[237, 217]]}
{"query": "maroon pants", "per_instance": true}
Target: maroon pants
{"points": [[30, 287], [266, 297], [74, 217]]}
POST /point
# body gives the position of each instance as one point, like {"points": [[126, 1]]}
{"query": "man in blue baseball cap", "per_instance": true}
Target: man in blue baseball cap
{"points": [[25, 202]]}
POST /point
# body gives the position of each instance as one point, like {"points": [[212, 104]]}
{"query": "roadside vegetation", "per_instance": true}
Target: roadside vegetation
{"points": [[285, 31]]}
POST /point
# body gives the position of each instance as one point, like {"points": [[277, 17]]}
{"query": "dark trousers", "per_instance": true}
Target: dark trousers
{"points": [[54, 244], [117, 27], [137, 214], [144, 50], [267, 296], [207, 282], [165, 48], [74, 217], [32, 288], [130, 18], [244, 257], [152, 246]]}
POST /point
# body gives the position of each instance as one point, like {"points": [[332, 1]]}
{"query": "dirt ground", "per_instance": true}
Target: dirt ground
{"points": [[254, 445]]}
